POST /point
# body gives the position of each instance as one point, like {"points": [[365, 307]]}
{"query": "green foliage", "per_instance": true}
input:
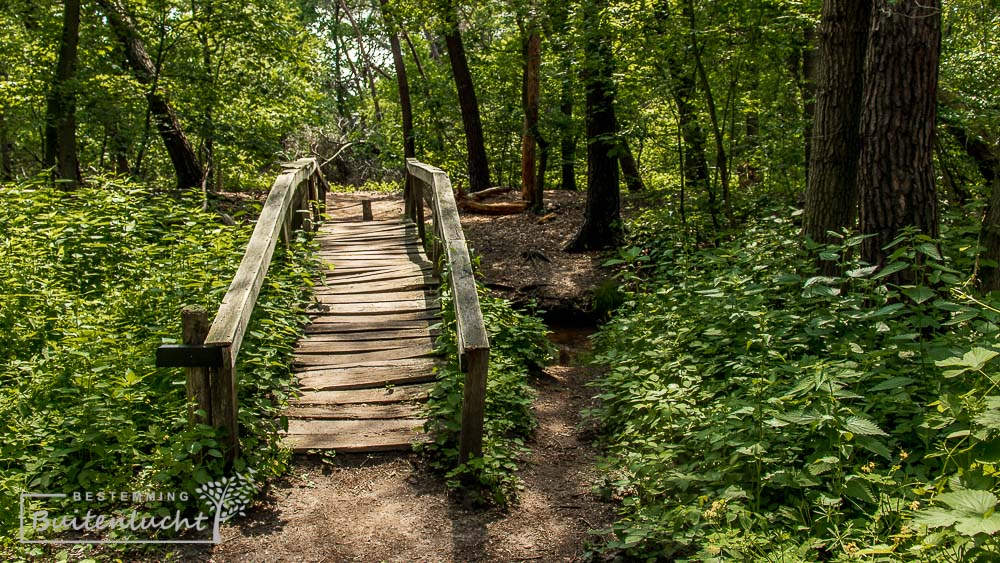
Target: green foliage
{"points": [[756, 410], [90, 284], [517, 346]]}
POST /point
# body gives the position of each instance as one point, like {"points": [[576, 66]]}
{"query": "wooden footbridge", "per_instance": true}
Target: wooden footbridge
{"points": [[367, 360]]}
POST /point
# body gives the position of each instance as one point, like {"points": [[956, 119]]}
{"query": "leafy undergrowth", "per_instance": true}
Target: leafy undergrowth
{"points": [[758, 411], [91, 282], [517, 346]]}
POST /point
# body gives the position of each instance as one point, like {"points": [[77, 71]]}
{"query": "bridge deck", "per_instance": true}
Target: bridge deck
{"points": [[367, 357]]}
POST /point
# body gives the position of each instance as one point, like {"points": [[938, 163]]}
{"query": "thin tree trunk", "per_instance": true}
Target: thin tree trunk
{"points": [[479, 169], [567, 139], [720, 149], [207, 129], [630, 169], [6, 151], [186, 166], [365, 59], [602, 221], [832, 192], [530, 190], [402, 83], [895, 171], [543, 162], [60, 113]]}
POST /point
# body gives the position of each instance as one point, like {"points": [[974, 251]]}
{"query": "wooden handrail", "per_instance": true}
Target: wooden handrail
{"points": [[448, 246], [295, 200]]}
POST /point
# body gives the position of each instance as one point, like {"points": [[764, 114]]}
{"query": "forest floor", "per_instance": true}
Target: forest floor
{"points": [[393, 507]]}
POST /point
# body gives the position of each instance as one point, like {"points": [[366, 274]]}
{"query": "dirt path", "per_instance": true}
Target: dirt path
{"points": [[393, 508]]}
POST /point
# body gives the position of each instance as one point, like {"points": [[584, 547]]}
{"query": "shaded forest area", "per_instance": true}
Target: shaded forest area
{"points": [[801, 361]]}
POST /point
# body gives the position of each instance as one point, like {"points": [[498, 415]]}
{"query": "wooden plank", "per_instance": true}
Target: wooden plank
{"points": [[333, 244], [407, 284], [231, 320], [309, 346], [312, 358], [371, 335], [468, 315], [361, 251], [371, 308], [402, 364], [355, 412], [402, 393], [383, 321], [356, 428], [344, 441], [331, 295], [362, 378], [401, 278], [347, 271], [367, 326]]}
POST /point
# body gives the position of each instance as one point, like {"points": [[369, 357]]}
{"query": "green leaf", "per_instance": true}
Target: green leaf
{"points": [[929, 249], [974, 359], [890, 269], [918, 294], [863, 427], [935, 517], [969, 501]]}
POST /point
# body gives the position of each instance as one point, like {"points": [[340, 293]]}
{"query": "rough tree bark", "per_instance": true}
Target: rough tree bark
{"points": [[602, 222], [479, 169], [60, 111], [186, 166], [832, 192], [402, 82], [531, 191], [895, 170]]}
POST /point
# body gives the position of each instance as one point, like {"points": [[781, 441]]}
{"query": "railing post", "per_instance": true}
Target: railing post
{"points": [[194, 329], [366, 210], [473, 404], [225, 409], [418, 202]]}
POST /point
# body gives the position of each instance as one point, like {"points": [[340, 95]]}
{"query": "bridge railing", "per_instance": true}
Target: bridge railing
{"points": [[431, 186], [209, 351]]}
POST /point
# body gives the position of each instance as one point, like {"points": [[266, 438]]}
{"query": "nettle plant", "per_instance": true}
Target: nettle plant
{"points": [[755, 409], [91, 282], [518, 345]]}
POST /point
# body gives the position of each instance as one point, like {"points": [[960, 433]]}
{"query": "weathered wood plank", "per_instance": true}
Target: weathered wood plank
{"points": [[351, 309], [367, 326], [401, 278], [310, 346], [355, 412], [331, 295], [385, 441], [370, 335], [402, 393], [362, 378], [231, 320], [402, 364], [313, 358], [368, 288]]}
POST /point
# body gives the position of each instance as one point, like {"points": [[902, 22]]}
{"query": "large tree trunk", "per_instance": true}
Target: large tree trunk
{"points": [[402, 83], [479, 169], [630, 168], [531, 191], [602, 222], [832, 192], [895, 171], [186, 166], [60, 112]]}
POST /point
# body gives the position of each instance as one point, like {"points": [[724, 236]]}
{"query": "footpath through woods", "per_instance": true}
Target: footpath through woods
{"points": [[391, 506]]}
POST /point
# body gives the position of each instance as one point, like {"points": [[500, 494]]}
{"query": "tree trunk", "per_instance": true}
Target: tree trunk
{"points": [[895, 171], [567, 139], [186, 166], [602, 221], [630, 169], [402, 82], [6, 151], [364, 59], [807, 90], [543, 162], [721, 163], [60, 112], [531, 191], [832, 192], [479, 169]]}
